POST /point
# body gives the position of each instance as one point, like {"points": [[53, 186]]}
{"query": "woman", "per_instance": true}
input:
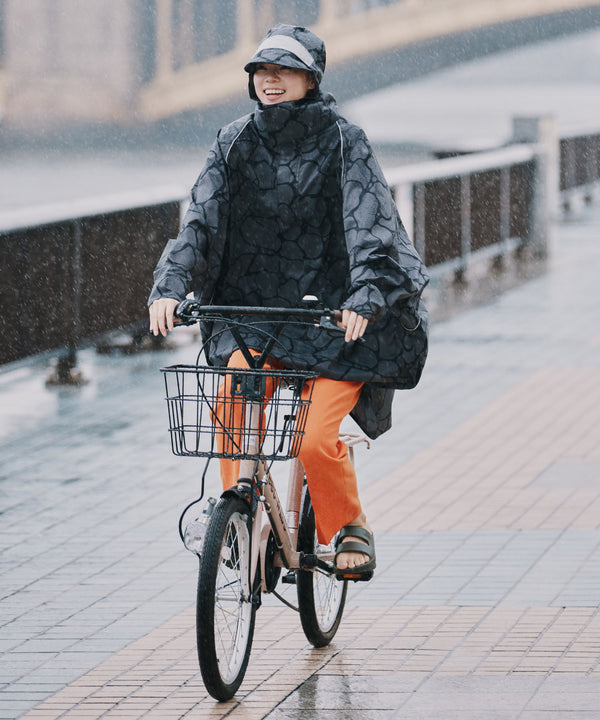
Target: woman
{"points": [[291, 202]]}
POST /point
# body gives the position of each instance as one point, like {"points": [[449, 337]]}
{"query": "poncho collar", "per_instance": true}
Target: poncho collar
{"points": [[293, 123]]}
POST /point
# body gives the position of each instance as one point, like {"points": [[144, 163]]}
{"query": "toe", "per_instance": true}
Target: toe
{"points": [[349, 560]]}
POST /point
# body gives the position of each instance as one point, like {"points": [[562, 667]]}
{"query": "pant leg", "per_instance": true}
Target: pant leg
{"points": [[228, 416], [329, 471]]}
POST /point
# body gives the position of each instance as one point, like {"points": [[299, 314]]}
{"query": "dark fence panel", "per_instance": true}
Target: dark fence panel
{"points": [[125, 271], [442, 220], [579, 161], [36, 287], [67, 281], [485, 209]]}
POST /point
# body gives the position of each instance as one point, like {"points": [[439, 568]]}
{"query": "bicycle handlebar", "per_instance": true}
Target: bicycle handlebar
{"points": [[189, 312]]}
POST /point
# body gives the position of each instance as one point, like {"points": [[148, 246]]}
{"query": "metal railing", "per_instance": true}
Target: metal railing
{"points": [[75, 271], [461, 208]]}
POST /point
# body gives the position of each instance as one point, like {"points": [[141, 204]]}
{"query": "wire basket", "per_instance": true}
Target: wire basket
{"points": [[211, 409]]}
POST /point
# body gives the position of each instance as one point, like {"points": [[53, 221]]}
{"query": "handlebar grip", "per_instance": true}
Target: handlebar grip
{"points": [[185, 313], [181, 308]]}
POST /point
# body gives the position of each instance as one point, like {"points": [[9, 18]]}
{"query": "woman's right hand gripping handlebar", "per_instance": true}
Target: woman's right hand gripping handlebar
{"points": [[161, 315]]}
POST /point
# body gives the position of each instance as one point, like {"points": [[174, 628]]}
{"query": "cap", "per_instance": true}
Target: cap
{"points": [[291, 46]]}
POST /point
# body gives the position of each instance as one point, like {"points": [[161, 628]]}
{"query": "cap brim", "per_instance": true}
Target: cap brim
{"points": [[275, 56]]}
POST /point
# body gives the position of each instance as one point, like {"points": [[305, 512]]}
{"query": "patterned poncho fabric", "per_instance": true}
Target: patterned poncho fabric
{"points": [[291, 202]]}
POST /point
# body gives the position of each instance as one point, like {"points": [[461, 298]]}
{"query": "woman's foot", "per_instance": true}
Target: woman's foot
{"points": [[352, 559]]}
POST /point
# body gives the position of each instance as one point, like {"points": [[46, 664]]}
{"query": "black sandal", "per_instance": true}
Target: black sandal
{"points": [[360, 572]]}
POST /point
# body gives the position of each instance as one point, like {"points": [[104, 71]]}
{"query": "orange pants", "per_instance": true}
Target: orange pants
{"points": [[329, 472]]}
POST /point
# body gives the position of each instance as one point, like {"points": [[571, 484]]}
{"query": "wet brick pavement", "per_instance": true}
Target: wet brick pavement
{"points": [[485, 498]]}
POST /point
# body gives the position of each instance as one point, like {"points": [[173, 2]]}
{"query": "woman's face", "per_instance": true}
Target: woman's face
{"points": [[274, 83]]}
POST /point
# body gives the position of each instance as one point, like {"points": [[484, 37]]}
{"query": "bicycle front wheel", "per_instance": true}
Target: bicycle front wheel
{"points": [[225, 612], [321, 597]]}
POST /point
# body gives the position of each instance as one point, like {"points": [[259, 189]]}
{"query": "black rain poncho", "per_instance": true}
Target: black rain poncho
{"points": [[291, 202]]}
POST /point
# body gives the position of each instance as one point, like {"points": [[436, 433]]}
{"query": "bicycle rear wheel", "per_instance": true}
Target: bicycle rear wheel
{"points": [[321, 597], [225, 612]]}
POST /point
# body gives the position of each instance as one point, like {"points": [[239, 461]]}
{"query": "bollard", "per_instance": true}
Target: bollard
{"points": [[545, 201]]}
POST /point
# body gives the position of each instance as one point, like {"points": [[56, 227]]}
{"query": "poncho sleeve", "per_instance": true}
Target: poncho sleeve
{"points": [[384, 265], [191, 260]]}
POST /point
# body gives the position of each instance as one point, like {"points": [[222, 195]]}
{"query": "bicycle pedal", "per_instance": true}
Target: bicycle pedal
{"points": [[356, 577], [290, 578]]}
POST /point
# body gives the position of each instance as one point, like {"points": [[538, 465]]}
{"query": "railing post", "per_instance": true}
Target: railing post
{"points": [[504, 204], [465, 224], [65, 371], [545, 192], [419, 238], [77, 283], [403, 197]]}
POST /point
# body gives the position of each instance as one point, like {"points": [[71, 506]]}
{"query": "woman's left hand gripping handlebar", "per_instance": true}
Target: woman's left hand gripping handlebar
{"points": [[161, 315], [354, 325]]}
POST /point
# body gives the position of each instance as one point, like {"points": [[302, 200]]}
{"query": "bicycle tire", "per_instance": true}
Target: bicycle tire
{"points": [[321, 596], [225, 613]]}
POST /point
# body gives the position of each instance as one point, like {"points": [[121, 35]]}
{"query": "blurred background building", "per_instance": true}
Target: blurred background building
{"points": [[139, 63]]}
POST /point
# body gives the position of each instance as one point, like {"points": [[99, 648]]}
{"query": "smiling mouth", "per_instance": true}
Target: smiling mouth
{"points": [[272, 92]]}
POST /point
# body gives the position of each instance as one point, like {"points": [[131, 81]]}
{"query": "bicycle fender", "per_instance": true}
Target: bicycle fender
{"points": [[236, 492]]}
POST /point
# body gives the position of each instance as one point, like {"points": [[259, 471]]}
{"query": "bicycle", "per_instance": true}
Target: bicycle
{"points": [[241, 558]]}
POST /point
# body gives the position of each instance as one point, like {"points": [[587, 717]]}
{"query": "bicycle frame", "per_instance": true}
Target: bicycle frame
{"points": [[282, 523]]}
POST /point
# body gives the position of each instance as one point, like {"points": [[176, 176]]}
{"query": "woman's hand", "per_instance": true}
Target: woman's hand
{"points": [[161, 315], [354, 324]]}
